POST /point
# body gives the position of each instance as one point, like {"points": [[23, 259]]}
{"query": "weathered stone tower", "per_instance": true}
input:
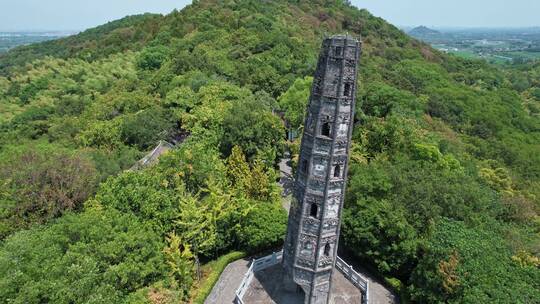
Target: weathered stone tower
{"points": [[314, 220]]}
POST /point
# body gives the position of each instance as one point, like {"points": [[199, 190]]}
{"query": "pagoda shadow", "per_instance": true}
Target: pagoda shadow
{"points": [[267, 288]]}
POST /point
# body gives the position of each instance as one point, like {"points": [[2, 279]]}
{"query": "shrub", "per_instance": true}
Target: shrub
{"points": [[264, 227]]}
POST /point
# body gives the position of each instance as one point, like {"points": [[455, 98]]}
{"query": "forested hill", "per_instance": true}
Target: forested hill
{"points": [[131, 32], [423, 32], [444, 185]]}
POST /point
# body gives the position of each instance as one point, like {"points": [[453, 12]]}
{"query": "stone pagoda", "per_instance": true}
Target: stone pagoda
{"points": [[313, 230]]}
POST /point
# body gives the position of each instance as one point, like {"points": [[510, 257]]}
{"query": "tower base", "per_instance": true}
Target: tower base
{"points": [[271, 286]]}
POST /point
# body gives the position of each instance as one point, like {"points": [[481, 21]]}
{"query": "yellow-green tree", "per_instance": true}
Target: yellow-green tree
{"points": [[180, 260]]}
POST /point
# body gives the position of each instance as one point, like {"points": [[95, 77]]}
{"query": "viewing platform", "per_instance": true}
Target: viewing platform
{"points": [[262, 284]]}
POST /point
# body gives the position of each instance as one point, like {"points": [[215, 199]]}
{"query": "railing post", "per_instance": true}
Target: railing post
{"points": [[366, 300]]}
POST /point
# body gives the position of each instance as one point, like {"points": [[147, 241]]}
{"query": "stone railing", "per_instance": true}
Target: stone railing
{"points": [[355, 278], [256, 265], [268, 261], [244, 286]]}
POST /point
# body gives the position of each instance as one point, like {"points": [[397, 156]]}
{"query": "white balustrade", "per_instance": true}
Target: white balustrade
{"points": [[355, 278], [256, 265]]}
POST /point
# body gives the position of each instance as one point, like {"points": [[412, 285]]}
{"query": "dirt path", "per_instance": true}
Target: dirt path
{"points": [[286, 181]]}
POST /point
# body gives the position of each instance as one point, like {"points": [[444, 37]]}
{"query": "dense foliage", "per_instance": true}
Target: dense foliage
{"points": [[63, 263], [42, 182], [466, 265], [444, 182]]}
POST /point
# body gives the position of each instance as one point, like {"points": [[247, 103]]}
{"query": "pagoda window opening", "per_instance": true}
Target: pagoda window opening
{"points": [[337, 171], [314, 210], [326, 129], [327, 249], [339, 51], [347, 91], [304, 166]]}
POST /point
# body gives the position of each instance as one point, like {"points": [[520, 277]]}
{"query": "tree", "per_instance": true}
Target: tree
{"points": [[384, 235], [399, 201], [4, 86], [151, 58], [255, 183], [146, 127], [261, 184], [464, 264], [251, 128], [102, 134], [146, 194], [381, 99], [194, 163], [33, 122], [536, 93], [214, 102], [180, 261], [427, 125], [182, 97], [238, 169], [96, 256], [40, 183], [197, 226], [264, 228], [294, 101], [417, 75]]}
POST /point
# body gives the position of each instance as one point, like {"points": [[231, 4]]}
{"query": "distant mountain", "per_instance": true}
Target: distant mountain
{"points": [[423, 31]]}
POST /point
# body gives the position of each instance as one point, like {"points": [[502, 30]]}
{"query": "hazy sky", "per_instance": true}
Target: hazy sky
{"points": [[81, 14]]}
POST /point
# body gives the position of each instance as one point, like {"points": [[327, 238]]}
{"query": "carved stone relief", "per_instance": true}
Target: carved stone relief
{"points": [[334, 191], [332, 211], [305, 263], [343, 130]]}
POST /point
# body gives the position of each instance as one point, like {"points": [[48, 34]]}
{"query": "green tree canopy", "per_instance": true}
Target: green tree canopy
{"points": [[294, 101], [251, 128], [93, 257], [465, 264], [41, 184]]}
